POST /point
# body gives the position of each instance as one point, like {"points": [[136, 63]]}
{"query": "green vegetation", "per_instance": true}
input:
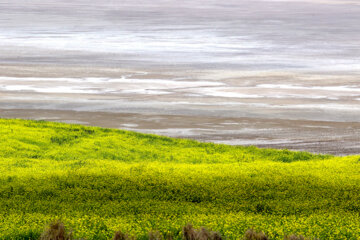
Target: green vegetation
{"points": [[99, 181]]}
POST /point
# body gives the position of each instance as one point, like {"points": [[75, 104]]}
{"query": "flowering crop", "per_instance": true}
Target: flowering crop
{"points": [[98, 181]]}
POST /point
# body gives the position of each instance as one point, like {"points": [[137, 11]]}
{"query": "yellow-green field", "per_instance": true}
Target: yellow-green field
{"points": [[98, 181]]}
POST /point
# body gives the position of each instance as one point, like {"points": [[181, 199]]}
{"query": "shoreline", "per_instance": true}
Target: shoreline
{"points": [[336, 138]]}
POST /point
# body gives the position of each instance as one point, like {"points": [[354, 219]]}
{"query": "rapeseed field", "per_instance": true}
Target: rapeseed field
{"points": [[98, 181]]}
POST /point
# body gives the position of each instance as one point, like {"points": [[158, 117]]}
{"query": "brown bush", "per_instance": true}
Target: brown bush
{"points": [[294, 237], [122, 236], [253, 235], [56, 231], [189, 233], [297, 237], [203, 234], [155, 235]]}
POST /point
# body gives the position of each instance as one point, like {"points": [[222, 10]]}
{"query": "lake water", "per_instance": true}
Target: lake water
{"points": [[269, 73]]}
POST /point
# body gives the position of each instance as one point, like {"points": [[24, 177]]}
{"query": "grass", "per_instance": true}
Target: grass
{"points": [[99, 181]]}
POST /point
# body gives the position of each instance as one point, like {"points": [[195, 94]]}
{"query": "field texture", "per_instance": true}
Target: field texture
{"points": [[98, 181]]}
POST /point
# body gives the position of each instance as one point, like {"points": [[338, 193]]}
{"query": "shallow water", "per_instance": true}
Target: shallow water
{"points": [[241, 34], [286, 60]]}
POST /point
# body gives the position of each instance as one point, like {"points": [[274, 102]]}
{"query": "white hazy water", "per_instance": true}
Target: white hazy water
{"points": [[263, 59], [236, 34]]}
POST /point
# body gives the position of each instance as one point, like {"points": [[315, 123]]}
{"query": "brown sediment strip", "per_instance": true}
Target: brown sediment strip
{"points": [[338, 138]]}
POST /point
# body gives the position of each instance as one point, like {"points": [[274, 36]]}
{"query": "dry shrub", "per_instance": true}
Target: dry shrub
{"points": [[189, 233], [155, 235], [56, 231], [119, 235], [216, 236], [250, 234], [203, 234], [295, 237]]}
